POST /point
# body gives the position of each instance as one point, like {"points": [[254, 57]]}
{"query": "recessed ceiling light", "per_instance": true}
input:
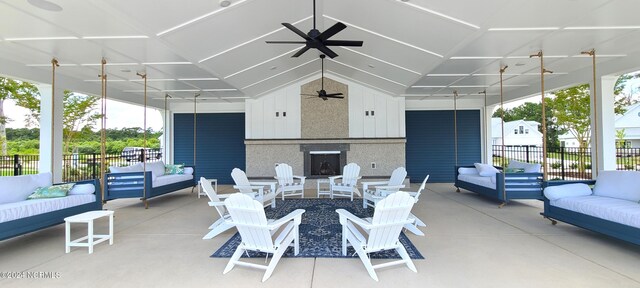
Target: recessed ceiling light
{"points": [[371, 66], [46, 5], [273, 67], [225, 3], [125, 70], [519, 64], [380, 60]]}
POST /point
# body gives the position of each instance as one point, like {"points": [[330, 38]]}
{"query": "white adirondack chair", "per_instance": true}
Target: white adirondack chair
{"points": [[345, 185], [382, 231], [256, 231], [215, 200], [257, 189], [287, 186], [413, 227], [382, 188]]}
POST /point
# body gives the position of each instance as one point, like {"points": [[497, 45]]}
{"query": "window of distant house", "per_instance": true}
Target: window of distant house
{"points": [[515, 131], [526, 131], [521, 129]]}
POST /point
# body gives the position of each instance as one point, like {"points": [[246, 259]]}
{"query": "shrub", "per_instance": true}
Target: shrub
{"points": [[556, 165], [573, 166]]}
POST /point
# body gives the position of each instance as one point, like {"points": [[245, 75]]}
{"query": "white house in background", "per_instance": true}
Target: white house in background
{"points": [[629, 121], [516, 133]]}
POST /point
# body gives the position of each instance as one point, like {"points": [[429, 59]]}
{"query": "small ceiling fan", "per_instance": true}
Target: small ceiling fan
{"points": [[322, 93], [317, 40]]}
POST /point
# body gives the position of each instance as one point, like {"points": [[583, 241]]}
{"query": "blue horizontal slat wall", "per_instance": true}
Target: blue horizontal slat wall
{"points": [[430, 143], [220, 144]]}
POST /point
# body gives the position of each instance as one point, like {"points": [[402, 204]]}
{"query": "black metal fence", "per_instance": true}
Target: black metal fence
{"points": [[75, 167], [565, 162]]}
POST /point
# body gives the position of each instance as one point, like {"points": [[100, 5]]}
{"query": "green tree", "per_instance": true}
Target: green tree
{"points": [[572, 111], [620, 135], [11, 89], [623, 96], [79, 114]]}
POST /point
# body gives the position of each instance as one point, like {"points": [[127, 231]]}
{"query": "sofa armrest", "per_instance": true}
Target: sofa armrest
{"points": [[567, 190]]}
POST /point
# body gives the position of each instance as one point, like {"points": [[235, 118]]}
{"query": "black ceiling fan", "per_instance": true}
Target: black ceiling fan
{"points": [[317, 40], [322, 93]]}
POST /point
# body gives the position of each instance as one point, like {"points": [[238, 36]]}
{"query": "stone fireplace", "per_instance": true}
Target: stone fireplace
{"points": [[318, 138]]}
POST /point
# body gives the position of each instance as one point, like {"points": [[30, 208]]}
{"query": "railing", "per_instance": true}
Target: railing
{"points": [[565, 162], [75, 167]]}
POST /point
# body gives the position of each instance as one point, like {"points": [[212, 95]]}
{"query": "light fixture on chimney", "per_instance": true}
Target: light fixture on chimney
{"points": [[225, 3]]}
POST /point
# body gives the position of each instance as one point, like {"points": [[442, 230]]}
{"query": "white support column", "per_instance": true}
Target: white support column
{"points": [[47, 132], [606, 132], [167, 136], [489, 144]]}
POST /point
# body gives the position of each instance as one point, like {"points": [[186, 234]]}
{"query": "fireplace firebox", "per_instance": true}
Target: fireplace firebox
{"points": [[324, 160]]}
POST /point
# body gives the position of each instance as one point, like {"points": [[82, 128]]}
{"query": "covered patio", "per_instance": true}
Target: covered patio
{"points": [[418, 94]]}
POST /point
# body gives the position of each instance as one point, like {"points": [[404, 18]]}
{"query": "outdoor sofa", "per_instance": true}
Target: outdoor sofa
{"points": [[491, 182], [612, 207], [133, 182], [20, 216]]}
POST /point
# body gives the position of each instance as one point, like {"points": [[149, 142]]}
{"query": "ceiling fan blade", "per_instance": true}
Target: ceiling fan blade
{"points": [[331, 96], [286, 42], [296, 30], [301, 51], [334, 94], [333, 30], [343, 43], [327, 51]]}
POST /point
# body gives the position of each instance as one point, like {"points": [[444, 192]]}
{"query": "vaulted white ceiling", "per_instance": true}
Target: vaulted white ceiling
{"points": [[419, 49]]}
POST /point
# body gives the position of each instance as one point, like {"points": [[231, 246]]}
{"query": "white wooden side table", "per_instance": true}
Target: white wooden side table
{"points": [[91, 239], [323, 190], [215, 187]]}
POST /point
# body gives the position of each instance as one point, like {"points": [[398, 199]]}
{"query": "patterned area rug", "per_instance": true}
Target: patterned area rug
{"points": [[320, 230]]}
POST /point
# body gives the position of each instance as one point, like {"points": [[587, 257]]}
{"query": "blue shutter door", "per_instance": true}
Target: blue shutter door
{"points": [[430, 143], [220, 144]]}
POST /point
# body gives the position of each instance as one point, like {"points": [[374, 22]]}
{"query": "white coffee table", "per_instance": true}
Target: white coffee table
{"points": [[91, 239]]}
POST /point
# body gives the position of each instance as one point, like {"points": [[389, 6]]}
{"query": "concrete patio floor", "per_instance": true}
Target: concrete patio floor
{"points": [[469, 242]]}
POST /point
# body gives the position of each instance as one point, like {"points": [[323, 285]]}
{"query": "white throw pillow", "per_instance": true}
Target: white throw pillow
{"points": [[18, 188], [618, 184], [188, 170], [156, 168], [82, 189], [486, 170], [528, 167], [467, 171], [567, 190]]}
